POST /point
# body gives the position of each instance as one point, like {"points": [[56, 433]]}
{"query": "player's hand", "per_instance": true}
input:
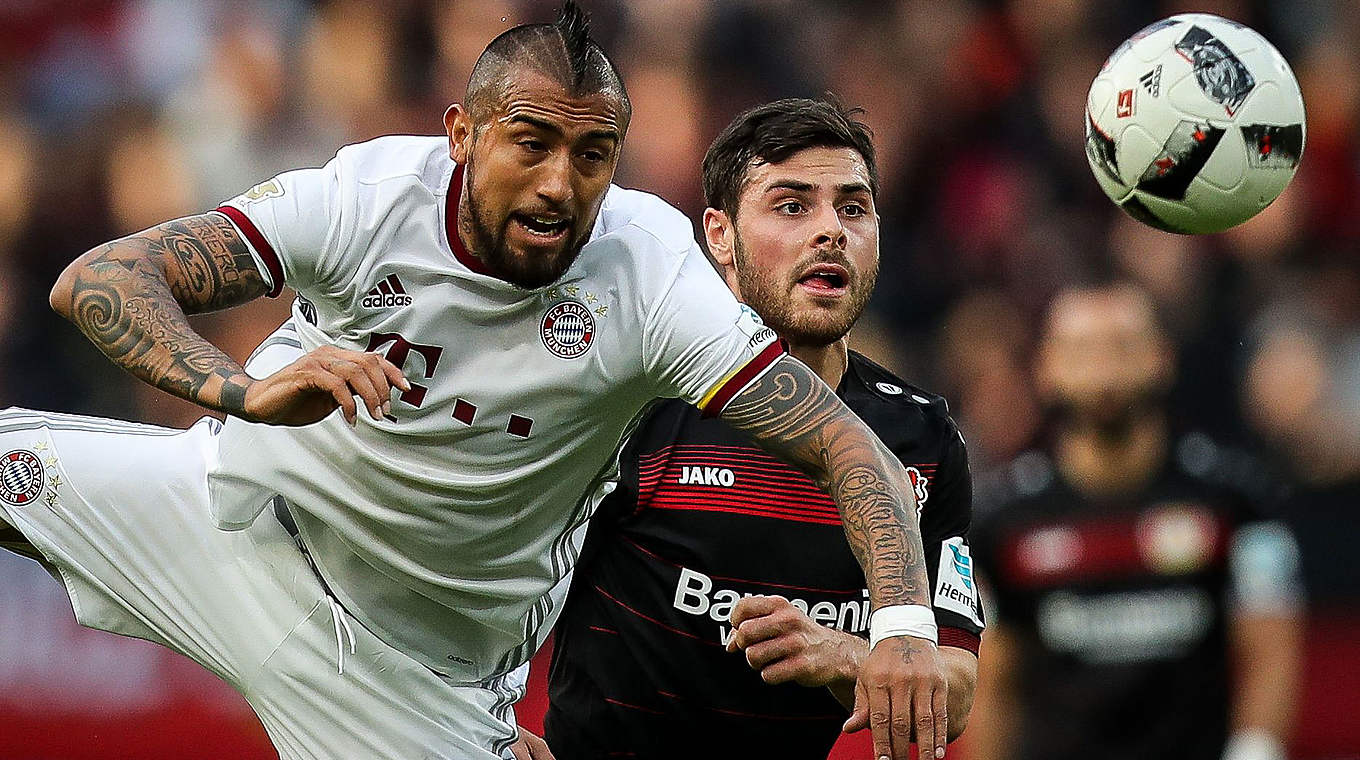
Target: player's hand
{"points": [[530, 747], [785, 645], [322, 381], [901, 695]]}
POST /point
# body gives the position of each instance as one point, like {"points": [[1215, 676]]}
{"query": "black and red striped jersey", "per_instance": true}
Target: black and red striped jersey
{"points": [[701, 518], [1119, 605]]}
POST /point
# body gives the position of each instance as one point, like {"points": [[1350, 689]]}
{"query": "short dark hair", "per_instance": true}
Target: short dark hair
{"points": [[563, 50], [771, 133]]}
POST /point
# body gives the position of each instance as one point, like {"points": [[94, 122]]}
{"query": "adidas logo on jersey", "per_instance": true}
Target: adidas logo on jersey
{"points": [[388, 294], [706, 476]]}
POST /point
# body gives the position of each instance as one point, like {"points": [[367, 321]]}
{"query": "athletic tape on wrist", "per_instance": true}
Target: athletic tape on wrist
{"points": [[903, 620]]}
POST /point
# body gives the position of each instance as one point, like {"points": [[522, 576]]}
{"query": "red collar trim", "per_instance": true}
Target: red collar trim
{"points": [[451, 201]]}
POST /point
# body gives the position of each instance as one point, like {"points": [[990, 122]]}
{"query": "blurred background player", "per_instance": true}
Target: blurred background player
{"points": [[1146, 594], [647, 662]]}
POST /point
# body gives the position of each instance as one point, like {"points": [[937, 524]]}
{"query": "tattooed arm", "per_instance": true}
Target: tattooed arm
{"points": [[794, 415], [130, 297]]}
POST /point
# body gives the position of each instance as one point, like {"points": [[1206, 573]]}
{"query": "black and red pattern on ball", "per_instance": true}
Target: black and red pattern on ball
{"points": [[21, 477]]}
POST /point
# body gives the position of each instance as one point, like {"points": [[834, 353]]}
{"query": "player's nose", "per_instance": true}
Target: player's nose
{"points": [[829, 230], [554, 179]]}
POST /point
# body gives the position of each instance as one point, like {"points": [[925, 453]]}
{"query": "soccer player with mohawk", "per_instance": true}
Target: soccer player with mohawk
{"points": [[382, 532]]}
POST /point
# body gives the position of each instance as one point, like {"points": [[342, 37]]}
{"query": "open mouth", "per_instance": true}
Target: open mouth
{"points": [[540, 226], [825, 279]]}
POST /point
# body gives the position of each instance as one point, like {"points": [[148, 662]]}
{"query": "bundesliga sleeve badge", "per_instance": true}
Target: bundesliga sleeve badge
{"points": [[568, 329]]}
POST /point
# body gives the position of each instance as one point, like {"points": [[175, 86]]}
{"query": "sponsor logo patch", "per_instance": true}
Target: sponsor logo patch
{"points": [[955, 589], [706, 476], [21, 477], [568, 329], [1124, 107]]}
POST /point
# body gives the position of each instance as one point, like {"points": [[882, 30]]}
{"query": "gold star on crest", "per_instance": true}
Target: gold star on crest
{"points": [[590, 297], [602, 310], [51, 499], [56, 483], [552, 293], [40, 446], [573, 290], [51, 461]]}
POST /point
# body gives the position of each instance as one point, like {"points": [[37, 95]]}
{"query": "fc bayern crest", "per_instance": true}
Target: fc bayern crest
{"points": [[568, 329], [21, 477]]}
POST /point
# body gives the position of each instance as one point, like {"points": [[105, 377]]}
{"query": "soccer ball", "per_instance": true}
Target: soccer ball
{"points": [[1194, 124]]}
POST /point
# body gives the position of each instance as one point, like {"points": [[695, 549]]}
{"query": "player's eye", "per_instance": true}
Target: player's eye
{"points": [[532, 145], [854, 210], [594, 155], [789, 207]]}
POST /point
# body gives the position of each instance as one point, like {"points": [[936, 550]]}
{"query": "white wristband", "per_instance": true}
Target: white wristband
{"points": [[1254, 744], [903, 620]]}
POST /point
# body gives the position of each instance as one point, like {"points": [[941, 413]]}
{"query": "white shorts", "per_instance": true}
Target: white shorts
{"points": [[120, 512]]}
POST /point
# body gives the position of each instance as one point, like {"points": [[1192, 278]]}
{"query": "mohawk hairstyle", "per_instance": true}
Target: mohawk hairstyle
{"points": [[574, 26], [562, 50]]}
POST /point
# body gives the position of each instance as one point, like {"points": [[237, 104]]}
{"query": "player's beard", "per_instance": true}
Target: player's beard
{"points": [[489, 243], [772, 299]]}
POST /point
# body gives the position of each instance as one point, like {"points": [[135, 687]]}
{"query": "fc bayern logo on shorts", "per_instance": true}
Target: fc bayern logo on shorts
{"points": [[568, 329], [21, 477]]}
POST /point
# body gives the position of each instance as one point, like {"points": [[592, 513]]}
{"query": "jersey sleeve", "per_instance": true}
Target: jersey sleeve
{"points": [[946, 518], [292, 225], [699, 344]]}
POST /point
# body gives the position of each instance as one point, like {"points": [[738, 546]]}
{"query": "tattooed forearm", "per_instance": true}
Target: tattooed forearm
{"points": [[130, 298], [794, 415]]}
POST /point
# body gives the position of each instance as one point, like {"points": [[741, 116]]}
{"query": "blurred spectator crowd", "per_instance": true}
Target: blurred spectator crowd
{"points": [[118, 114]]}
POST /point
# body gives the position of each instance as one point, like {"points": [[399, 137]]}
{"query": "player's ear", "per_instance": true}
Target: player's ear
{"points": [[458, 124], [718, 234]]}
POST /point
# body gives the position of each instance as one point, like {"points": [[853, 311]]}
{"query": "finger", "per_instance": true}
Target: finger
{"points": [[859, 714], [758, 629], [880, 722], [338, 390], [361, 385], [393, 373], [785, 670], [940, 702], [371, 364], [923, 721], [763, 653], [521, 751], [538, 749], [755, 606]]}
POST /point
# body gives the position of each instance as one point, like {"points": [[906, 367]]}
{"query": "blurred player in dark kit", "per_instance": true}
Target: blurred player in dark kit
{"points": [[717, 610], [1145, 601]]}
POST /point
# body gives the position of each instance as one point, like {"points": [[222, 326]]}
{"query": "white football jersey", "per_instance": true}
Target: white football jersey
{"points": [[450, 527]]}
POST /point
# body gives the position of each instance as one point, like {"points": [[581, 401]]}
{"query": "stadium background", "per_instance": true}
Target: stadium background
{"points": [[115, 115]]}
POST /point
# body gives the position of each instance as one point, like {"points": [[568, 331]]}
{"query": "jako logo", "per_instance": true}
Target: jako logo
{"points": [[388, 294], [707, 476]]}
